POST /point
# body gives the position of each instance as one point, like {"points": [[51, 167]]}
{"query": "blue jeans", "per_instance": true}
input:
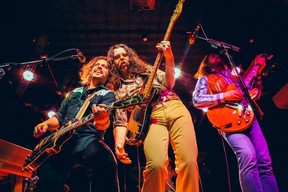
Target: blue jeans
{"points": [[254, 161]]}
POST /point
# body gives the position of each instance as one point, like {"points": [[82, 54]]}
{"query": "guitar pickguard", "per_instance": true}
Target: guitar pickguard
{"points": [[139, 120]]}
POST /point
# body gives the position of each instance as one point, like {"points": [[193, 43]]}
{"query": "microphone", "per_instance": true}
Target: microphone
{"points": [[2, 73], [193, 36], [80, 56], [269, 57]]}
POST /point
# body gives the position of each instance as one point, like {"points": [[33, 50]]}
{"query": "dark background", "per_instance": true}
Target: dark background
{"points": [[33, 29]]}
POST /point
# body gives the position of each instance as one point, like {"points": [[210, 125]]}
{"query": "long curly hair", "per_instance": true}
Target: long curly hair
{"points": [[136, 65], [85, 71]]}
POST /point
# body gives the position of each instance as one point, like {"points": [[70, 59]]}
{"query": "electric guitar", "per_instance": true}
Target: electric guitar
{"points": [[235, 117], [139, 119], [52, 144]]}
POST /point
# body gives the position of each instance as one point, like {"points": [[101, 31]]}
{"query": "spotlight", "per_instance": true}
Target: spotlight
{"points": [[144, 37], [28, 75], [177, 72], [50, 113], [238, 71]]}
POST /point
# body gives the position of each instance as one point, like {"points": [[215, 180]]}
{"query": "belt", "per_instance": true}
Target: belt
{"points": [[165, 98]]}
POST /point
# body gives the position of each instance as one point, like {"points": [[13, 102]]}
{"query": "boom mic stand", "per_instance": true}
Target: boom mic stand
{"points": [[41, 61], [243, 87], [53, 58]]}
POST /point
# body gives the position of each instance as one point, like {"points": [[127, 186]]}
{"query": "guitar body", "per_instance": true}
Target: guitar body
{"points": [[234, 117], [139, 120], [231, 117], [46, 147]]}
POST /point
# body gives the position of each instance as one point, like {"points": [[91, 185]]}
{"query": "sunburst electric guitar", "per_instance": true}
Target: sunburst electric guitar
{"points": [[235, 117], [139, 119], [52, 144]]}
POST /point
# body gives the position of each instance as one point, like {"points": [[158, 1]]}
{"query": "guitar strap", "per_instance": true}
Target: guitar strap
{"points": [[84, 106]]}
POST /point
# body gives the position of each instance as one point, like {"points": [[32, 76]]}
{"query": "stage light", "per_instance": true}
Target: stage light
{"points": [[238, 71], [251, 41], [51, 113], [177, 72], [28, 75], [144, 37], [205, 110]]}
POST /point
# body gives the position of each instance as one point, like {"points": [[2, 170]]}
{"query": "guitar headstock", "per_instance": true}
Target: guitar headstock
{"points": [[260, 60], [176, 13], [178, 10]]}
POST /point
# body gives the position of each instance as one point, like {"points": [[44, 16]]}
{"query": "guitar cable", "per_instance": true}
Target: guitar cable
{"points": [[227, 164], [139, 169]]}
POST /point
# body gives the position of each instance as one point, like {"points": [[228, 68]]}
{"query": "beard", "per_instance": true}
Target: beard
{"points": [[123, 66]]}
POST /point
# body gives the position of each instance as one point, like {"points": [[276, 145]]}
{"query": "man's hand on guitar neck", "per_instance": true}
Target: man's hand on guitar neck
{"points": [[41, 128]]}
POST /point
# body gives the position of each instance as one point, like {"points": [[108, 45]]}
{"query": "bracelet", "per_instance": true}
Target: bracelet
{"points": [[101, 126], [118, 146], [107, 122]]}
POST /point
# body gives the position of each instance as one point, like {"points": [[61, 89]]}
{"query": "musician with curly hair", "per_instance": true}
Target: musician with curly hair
{"points": [[86, 149], [168, 119]]}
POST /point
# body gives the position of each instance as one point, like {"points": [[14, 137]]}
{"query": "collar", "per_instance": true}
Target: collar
{"points": [[128, 80], [94, 89], [139, 78]]}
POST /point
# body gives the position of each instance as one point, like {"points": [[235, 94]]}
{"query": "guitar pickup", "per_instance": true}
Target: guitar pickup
{"points": [[232, 106]]}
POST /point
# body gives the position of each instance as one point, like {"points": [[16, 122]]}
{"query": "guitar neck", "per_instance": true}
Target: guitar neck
{"points": [[149, 84], [75, 124], [251, 75], [115, 105], [174, 17], [253, 69]]}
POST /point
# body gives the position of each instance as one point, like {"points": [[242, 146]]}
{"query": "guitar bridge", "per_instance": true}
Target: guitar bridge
{"points": [[232, 106]]}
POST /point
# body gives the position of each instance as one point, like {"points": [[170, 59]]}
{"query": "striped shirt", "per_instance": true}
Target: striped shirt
{"points": [[201, 97]]}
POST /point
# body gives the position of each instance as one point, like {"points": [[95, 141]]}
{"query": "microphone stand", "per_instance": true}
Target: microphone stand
{"points": [[243, 87], [41, 61], [217, 43], [240, 80]]}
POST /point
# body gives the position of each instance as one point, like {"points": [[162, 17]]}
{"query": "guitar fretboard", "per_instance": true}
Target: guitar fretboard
{"points": [[251, 74], [74, 125], [174, 17]]}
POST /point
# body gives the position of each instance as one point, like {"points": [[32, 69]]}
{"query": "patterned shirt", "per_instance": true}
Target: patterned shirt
{"points": [[132, 87]]}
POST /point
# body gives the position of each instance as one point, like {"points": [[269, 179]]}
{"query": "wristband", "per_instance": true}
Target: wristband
{"points": [[103, 123]]}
